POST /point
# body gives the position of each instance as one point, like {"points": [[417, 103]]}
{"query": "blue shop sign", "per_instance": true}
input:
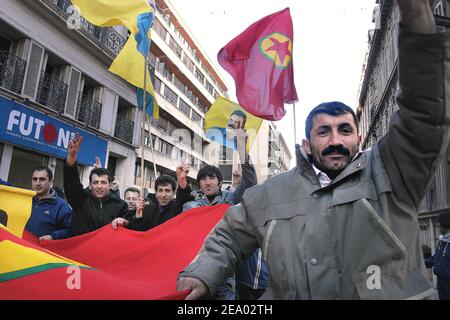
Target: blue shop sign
{"points": [[26, 127]]}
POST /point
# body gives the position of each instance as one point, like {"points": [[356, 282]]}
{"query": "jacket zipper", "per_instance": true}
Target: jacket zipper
{"points": [[385, 227], [258, 270], [307, 281], [268, 235]]}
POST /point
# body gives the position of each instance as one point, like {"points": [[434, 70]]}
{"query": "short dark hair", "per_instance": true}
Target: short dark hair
{"points": [[101, 172], [209, 171], [166, 179], [42, 168], [132, 189], [241, 114], [334, 108], [444, 220]]}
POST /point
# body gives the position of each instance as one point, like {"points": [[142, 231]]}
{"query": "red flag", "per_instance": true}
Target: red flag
{"points": [[260, 61], [106, 263]]}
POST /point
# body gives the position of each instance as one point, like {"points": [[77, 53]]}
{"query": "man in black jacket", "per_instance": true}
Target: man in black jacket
{"points": [[165, 208], [93, 207]]}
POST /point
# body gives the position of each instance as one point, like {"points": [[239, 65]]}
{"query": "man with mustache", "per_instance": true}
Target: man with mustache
{"points": [[344, 224]]}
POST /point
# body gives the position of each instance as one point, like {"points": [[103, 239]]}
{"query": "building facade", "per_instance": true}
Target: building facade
{"points": [[54, 82], [270, 151], [185, 84], [377, 103]]}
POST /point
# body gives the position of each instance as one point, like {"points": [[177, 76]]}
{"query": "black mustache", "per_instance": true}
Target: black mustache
{"points": [[339, 149]]}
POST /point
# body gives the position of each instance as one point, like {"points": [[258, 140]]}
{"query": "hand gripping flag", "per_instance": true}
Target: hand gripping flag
{"points": [[260, 61], [221, 120], [137, 16]]}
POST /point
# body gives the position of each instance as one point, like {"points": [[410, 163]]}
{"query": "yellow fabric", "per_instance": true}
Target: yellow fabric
{"points": [[129, 64], [107, 13], [219, 114], [16, 203], [22, 257]]}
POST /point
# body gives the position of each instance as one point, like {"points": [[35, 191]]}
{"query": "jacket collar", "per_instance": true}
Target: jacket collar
{"points": [[305, 168], [51, 196]]}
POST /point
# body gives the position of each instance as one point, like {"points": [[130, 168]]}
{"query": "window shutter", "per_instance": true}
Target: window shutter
{"points": [[72, 93], [33, 72]]}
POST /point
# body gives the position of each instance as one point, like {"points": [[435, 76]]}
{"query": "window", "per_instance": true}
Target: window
{"points": [[201, 107], [180, 85], [209, 88], [170, 95], [184, 107], [196, 117], [151, 59], [157, 85], [175, 47], [159, 29], [22, 163], [188, 63], [199, 75], [179, 154]]}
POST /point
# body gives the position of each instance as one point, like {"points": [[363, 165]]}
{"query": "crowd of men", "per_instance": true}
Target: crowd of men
{"points": [[87, 209]]}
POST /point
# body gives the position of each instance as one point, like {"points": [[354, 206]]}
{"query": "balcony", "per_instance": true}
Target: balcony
{"points": [[124, 129], [89, 111], [108, 38], [52, 92], [12, 71]]}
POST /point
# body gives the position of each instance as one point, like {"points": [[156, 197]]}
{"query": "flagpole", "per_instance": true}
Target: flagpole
{"points": [[144, 118], [295, 124]]}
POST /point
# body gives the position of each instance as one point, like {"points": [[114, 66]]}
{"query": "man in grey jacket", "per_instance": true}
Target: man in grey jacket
{"points": [[343, 223]]}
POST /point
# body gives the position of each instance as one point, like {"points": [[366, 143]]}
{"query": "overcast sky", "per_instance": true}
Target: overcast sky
{"points": [[330, 42]]}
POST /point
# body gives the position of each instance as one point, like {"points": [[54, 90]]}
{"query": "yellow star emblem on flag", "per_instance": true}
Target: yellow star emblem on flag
{"points": [[277, 48]]}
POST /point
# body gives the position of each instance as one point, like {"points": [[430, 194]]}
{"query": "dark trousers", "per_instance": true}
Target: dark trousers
{"points": [[443, 287], [246, 293]]}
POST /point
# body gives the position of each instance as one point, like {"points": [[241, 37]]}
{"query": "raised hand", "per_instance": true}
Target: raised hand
{"points": [[241, 143], [182, 173], [72, 149], [98, 163], [140, 204]]}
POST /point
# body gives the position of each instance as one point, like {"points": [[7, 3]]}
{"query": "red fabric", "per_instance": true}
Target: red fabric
{"points": [[128, 264], [262, 87]]}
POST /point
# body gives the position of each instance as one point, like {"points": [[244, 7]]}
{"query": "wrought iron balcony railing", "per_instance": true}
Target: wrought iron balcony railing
{"points": [[89, 111], [12, 71], [124, 129], [107, 37], [52, 92]]}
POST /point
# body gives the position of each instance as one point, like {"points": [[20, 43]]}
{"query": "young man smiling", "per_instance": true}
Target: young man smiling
{"points": [[93, 207]]}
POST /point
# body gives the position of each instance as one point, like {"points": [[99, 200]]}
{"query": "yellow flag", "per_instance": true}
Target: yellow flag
{"points": [[107, 13], [224, 117], [15, 208], [129, 64]]}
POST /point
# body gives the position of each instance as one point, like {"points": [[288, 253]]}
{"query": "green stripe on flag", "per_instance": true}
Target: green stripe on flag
{"points": [[28, 271]]}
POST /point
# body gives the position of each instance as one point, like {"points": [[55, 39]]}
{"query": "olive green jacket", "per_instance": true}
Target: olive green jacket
{"points": [[357, 238]]}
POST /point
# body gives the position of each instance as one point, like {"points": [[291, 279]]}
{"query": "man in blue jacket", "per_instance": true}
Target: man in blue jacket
{"points": [[50, 215]]}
